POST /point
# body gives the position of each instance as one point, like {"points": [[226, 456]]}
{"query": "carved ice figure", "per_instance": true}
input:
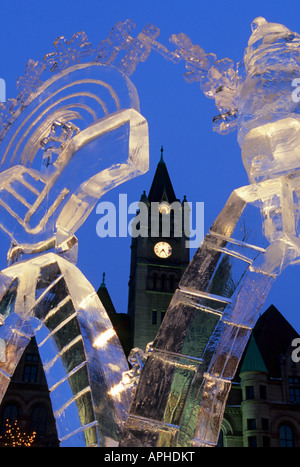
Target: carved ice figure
{"points": [[182, 391], [64, 144]]}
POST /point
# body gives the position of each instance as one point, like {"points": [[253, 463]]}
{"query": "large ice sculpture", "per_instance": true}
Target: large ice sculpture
{"points": [[64, 143], [47, 190], [183, 387]]}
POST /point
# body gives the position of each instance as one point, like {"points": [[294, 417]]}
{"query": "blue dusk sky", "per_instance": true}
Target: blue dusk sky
{"points": [[203, 165]]}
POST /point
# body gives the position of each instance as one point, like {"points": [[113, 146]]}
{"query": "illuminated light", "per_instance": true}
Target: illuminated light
{"points": [[87, 301], [164, 208], [113, 367], [13, 437], [103, 339], [116, 390]]}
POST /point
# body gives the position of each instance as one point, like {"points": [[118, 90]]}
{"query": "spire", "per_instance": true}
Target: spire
{"points": [[103, 281], [104, 296], [161, 188], [162, 155], [273, 335]]}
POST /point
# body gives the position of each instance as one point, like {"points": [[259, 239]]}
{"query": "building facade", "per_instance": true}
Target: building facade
{"points": [[27, 402], [263, 406]]}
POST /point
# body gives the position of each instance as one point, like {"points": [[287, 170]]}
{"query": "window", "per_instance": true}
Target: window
{"points": [[171, 282], [163, 282], [294, 394], [264, 424], [251, 424], [286, 436], [294, 380], [162, 315], [263, 392], [154, 316], [31, 368], [10, 413], [249, 392], [294, 389], [252, 442], [154, 278], [39, 420]]}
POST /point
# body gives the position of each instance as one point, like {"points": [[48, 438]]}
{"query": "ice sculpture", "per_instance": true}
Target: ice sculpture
{"points": [[196, 352], [181, 383], [64, 143]]}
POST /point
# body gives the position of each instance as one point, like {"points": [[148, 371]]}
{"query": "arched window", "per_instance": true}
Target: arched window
{"points": [[286, 436], [10, 413], [154, 316], [171, 282], [154, 279], [163, 281], [39, 420]]}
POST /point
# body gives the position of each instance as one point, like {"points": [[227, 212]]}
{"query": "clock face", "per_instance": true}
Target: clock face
{"points": [[163, 249], [164, 208]]}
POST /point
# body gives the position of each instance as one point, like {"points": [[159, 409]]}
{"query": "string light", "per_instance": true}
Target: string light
{"points": [[14, 437]]}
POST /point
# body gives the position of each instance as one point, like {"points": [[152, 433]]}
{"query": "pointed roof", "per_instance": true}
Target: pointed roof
{"points": [[105, 297], [161, 188], [273, 335], [253, 360]]}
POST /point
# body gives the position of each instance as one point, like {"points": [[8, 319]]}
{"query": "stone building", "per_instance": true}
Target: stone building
{"points": [[263, 407], [27, 401]]}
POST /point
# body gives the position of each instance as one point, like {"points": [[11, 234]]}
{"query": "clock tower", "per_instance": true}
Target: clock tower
{"points": [[159, 256]]}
